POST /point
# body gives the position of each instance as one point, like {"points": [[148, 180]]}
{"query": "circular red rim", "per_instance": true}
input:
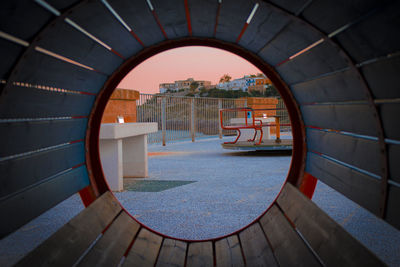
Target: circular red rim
{"points": [[98, 183]]}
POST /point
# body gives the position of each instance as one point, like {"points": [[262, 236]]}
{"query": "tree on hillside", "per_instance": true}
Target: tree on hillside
{"points": [[193, 86], [225, 78]]}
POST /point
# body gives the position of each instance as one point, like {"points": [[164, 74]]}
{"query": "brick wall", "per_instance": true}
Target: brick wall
{"points": [[121, 103]]}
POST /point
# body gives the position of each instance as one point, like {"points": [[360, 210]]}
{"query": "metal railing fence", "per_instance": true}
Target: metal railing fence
{"points": [[182, 118]]}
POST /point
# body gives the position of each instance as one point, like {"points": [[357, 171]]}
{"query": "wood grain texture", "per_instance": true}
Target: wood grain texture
{"points": [[144, 250], [256, 249], [289, 248], [66, 246], [228, 252], [329, 240], [109, 250], [173, 253], [200, 254]]}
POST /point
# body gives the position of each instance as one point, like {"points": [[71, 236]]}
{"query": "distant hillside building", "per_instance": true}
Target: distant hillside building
{"points": [[247, 83], [182, 84], [261, 84]]}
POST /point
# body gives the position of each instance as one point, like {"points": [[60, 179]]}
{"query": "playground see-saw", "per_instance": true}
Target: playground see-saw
{"points": [[255, 133]]}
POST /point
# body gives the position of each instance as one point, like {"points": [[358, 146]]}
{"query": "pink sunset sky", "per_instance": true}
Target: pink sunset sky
{"points": [[200, 63]]}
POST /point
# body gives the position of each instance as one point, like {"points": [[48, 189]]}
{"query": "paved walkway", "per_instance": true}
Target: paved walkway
{"points": [[202, 191]]}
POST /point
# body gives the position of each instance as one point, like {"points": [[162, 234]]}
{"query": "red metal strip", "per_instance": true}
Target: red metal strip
{"points": [[187, 11], [118, 54], [86, 93], [283, 62], [87, 196], [79, 165], [79, 117], [76, 141], [159, 24], [137, 38], [242, 32], [314, 127], [308, 184], [216, 19]]}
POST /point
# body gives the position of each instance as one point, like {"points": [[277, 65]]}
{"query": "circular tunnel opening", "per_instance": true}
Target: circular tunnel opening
{"points": [[156, 214]]}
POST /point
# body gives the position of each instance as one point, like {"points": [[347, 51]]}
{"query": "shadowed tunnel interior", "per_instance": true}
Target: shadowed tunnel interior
{"points": [[335, 63]]}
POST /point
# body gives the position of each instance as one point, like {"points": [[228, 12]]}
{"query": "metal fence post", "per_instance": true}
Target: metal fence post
{"points": [[192, 122], [163, 119], [219, 118]]}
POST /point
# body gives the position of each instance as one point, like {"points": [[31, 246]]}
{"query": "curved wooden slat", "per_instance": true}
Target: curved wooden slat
{"points": [[289, 249], [143, 23], [324, 14], [394, 155], [203, 17], [292, 6], [228, 252], [144, 250], [200, 254], [108, 29], [65, 40], [392, 214], [359, 187], [228, 29], [256, 250], [172, 17], [356, 118], [329, 240], [67, 245], [110, 248], [25, 102], [291, 40], [173, 253], [361, 153], [264, 27], [374, 36], [321, 59], [21, 172], [22, 19], [19, 137], [347, 87], [390, 119], [9, 53], [30, 203], [40, 69], [383, 77]]}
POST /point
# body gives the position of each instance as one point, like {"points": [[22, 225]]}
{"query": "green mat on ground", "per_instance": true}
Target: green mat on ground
{"points": [[152, 185]]}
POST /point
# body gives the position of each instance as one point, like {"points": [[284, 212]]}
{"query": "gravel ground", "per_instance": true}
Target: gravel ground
{"points": [[230, 190]]}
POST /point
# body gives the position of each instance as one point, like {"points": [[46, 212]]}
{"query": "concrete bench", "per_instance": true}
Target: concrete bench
{"points": [[123, 151]]}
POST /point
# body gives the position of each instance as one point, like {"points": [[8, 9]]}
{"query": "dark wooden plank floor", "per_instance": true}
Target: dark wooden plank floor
{"points": [[289, 249], [200, 254], [67, 245], [256, 249], [293, 232], [145, 249], [329, 240], [228, 252], [110, 249], [173, 253]]}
